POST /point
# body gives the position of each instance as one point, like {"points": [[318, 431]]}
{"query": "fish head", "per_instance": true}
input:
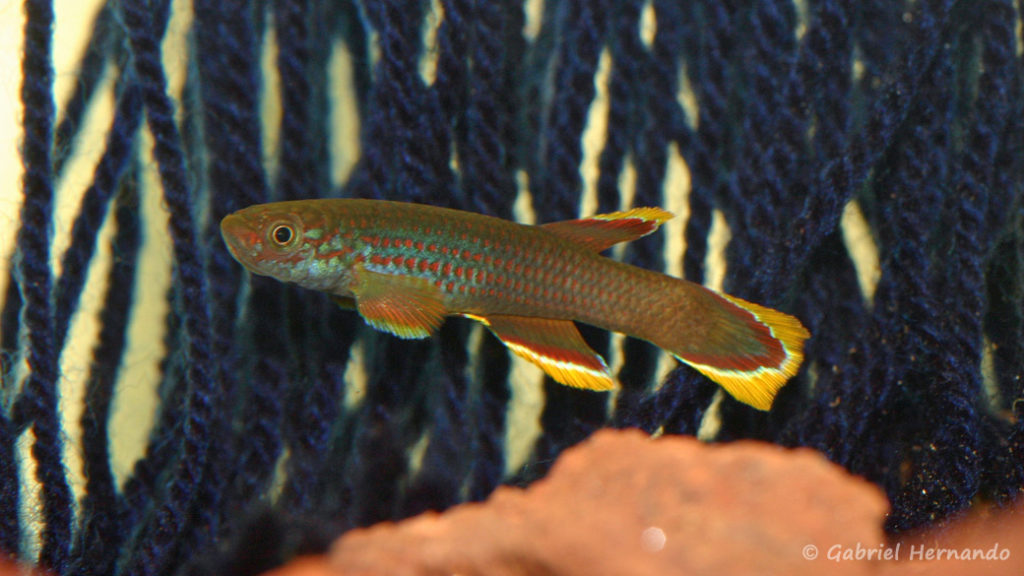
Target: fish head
{"points": [[281, 240]]}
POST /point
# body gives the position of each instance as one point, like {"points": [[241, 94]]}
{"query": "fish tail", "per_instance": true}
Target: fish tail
{"points": [[750, 350]]}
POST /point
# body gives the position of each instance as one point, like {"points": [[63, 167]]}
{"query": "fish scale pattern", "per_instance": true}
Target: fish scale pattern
{"points": [[282, 421]]}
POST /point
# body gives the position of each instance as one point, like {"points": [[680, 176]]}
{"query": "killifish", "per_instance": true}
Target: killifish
{"points": [[404, 267]]}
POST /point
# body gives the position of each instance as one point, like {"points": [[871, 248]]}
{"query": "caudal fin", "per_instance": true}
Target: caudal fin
{"points": [[754, 351]]}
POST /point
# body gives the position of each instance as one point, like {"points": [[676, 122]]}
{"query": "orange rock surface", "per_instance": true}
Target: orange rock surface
{"points": [[624, 504]]}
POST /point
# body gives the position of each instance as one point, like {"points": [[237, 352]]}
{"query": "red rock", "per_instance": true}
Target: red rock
{"points": [[623, 504], [11, 569]]}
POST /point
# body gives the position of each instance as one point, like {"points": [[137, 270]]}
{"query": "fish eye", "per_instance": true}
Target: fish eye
{"points": [[282, 234]]}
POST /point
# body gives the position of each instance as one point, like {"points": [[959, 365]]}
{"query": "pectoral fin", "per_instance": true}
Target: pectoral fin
{"points": [[345, 302], [555, 346], [406, 306], [603, 231]]}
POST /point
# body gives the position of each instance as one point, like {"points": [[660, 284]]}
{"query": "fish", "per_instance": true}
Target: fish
{"points": [[406, 266]]}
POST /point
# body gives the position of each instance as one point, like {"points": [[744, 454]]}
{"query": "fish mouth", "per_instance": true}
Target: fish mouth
{"points": [[234, 230]]}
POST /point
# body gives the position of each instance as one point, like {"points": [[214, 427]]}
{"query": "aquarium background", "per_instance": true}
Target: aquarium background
{"points": [[855, 164]]}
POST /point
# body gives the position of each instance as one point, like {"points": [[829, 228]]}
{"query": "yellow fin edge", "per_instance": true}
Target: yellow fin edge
{"points": [[758, 388]]}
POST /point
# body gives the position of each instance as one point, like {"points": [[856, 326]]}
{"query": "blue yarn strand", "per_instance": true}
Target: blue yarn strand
{"points": [[157, 538], [95, 202], [297, 167], [10, 485], [228, 89], [40, 396], [100, 522], [406, 124], [840, 177], [558, 187], [707, 151], [101, 47]]}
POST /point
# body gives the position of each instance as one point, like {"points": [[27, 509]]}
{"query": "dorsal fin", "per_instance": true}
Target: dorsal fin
{"points": [[603, 231]]}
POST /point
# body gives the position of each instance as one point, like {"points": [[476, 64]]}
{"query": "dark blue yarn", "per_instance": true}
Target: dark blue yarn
{"points": [[840, 177], [454, 39], [926, 137], [95, 201], [157, 538], [581, 26], [485, 152], [39, 406], [708, 150], [10, 531], [103, 45], [141, 487], [381, 440], [227, 84], [296, 179], [437, 485], [625, 81], [312, 408], [487, 451], [405, 117], [101, 525], [956, 439], [759, 188]]}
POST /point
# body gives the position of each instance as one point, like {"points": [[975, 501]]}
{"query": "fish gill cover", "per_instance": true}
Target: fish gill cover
{"points": [[280, 420]]}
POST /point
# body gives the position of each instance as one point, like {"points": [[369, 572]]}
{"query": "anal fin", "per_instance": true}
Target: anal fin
{"points": [[406, 306], [555, 346]]}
